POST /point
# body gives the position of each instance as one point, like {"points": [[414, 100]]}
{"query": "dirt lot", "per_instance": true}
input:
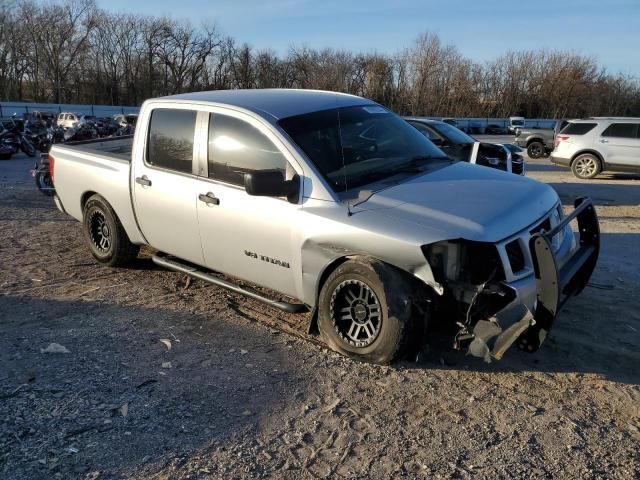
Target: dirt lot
{"points": [[234, 397]]}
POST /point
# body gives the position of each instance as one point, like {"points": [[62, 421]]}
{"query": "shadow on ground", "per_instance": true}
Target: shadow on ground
{"points": [[116, 395]]}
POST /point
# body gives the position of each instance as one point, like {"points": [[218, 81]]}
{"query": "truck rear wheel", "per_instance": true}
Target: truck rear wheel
{"points": [[366, 311], [107, 239], [535, 150]]}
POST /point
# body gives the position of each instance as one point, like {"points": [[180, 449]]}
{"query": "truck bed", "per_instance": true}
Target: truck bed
{"points": [[119, 147], [101, 166]]}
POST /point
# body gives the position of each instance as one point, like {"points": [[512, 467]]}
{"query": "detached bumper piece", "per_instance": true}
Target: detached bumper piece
{"points": [[554, 284]]}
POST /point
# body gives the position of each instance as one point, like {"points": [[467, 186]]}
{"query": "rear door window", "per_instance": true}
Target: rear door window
{"points": [[578, 128], [170, 143], [621, 130]]}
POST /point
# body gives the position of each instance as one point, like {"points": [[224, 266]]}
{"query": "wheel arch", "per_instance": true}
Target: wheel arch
{"points": [[530, 140], [330, 267], [86, 196], [132, 230], [592, 152]]}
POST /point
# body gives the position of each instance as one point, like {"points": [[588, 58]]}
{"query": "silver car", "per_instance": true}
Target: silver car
{"points": [[599, 144]]}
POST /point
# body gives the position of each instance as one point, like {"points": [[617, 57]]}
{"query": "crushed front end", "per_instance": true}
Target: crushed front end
{"points": [[510, 292]]}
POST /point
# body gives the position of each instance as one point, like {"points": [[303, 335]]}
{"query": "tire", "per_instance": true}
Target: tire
{"points": [[43, 181], [29, 148], [105, 235], [535, 150], [586, 166], [365, 311]]}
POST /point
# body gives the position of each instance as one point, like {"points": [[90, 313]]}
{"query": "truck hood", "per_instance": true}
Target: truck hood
{"points": [[463, 201]]}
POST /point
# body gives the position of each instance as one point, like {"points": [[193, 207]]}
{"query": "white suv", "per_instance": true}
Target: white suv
{"points": [[598, 144]]}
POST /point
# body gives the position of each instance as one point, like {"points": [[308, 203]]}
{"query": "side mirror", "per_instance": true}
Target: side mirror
{"points": [[271, 183]]}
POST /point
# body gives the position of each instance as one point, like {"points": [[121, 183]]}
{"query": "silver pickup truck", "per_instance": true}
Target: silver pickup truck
{"points": [[341, 209]]}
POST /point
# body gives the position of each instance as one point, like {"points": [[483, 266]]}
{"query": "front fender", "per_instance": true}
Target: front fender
{"points": [[319, 259]]}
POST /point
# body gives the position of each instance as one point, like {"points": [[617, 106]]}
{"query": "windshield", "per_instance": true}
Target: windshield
{"points": [[355, 146], [453, 134]]}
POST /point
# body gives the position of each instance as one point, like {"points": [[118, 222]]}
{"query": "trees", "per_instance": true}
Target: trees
{"points": [[72, 51]]}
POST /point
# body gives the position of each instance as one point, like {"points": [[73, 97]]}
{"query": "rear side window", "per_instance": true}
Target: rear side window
{"points": [[236, 148], [578, 128], [621, 130], [426, 131], [171, 139]]}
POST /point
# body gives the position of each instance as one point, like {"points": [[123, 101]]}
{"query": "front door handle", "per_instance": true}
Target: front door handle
{"points": [[144, 181], [209, 198], [604, 141]]}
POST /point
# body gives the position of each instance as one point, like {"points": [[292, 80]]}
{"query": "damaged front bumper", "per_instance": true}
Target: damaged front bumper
{"points": [[553, 284]]}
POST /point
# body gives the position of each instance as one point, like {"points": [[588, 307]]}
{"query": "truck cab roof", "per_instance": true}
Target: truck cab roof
{"points": [[276, 103]]}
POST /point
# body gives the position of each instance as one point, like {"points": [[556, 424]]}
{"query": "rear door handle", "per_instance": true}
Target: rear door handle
{"points": [[209, 198], [143, 180]]}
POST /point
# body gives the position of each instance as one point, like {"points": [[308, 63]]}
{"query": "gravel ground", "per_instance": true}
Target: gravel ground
{"points": [[167, 379]]}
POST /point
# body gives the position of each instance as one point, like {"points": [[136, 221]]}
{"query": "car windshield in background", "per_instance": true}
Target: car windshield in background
{"points": [[517, 123], [578, 128], [455, 135], [355, 146]]}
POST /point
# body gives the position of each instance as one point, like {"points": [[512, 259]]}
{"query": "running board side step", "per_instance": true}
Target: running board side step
{"points": [[173, 264]]}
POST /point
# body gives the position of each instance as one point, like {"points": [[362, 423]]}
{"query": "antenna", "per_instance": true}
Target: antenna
{"points": [[344, 169]]}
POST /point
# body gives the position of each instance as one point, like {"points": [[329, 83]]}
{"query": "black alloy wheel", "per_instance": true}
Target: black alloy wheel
{"points": [[355, 313]]}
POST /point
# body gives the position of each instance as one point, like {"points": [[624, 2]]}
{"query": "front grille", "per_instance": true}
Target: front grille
{"points": [[515, 255]]}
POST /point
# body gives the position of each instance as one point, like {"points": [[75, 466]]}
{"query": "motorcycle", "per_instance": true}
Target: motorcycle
{"points": [[16, 136], [39, 135], [83, 131], [42, 175], [9, 144]]}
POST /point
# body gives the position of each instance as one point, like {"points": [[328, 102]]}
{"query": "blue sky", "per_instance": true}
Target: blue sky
{"points": [[609, 30]]}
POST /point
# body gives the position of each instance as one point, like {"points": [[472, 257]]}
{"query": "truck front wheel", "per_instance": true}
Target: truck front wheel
{"points": [[366, 311], [107, 239]]}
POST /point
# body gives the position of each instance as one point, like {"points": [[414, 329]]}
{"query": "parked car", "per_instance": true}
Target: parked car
{"points": [[493, 129], [89, 119], [67, 120], [515, 123], [457, 145], [335, 201], [131, 118], [474, 127], [123, 120], [599, 144], [539, 141]]}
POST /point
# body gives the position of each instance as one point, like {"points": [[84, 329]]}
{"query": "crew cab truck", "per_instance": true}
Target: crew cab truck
{"points": [[539, 142], [339, 207]]}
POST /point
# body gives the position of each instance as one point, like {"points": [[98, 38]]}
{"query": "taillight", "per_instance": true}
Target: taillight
{"points": [[52, 163], [561, 138]]}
